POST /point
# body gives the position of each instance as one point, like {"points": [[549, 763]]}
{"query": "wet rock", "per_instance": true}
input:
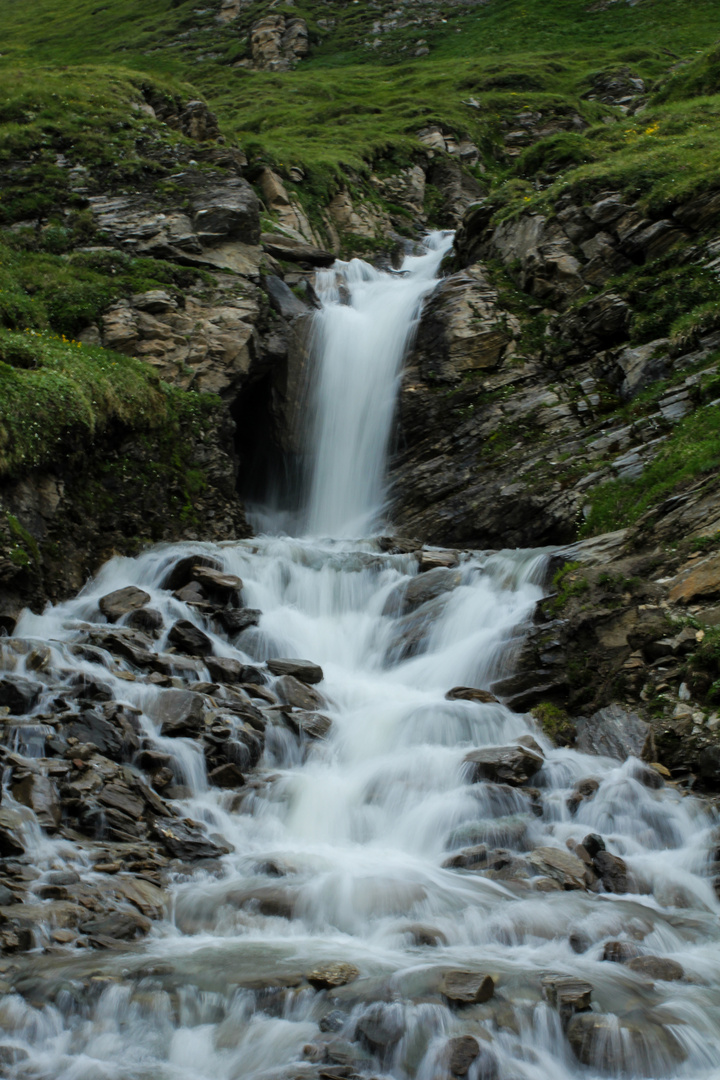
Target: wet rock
{"points": [[294, 250], [122, 601], [227, 776], [179, 712], [593, 843], [427, 936], [604, 1042], [92, 727], [467, 987], [471, 693], [461, 1052], [146, 619], [507, 764], [186, 840], [612, 871], [381, 1026], [582, 792], [119, 925], [293, 692], [40, 795], [225, 669], [304, 670], [657, 967], [192, 593], [182, 571], [567, 994], [333, 1021], [579, 941], [562, 866], [314, 725], [619, 952], [510, 830], [18, 694], [6, 896], [283, 299], [119, 798], [327, 976], [189, 639], [612, 732], [472, 858], [235, 620], [11, 842], [420, 589], [217, 583]]}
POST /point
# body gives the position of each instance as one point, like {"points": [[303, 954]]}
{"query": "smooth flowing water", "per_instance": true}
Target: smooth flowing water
{"points": [[362, 333], [339, 846]]}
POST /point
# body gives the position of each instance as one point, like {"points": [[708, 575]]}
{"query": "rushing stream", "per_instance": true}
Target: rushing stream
{"points": [[365, 866]]}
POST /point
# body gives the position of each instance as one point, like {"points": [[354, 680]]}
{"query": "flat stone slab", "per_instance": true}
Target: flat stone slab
{"points": [[304, 670]]}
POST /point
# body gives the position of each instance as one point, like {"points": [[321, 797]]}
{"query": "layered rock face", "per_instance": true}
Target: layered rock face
{"points": [[507, 420]]}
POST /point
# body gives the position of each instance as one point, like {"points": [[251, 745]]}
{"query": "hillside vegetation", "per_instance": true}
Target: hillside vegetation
{"points": [[75, 81]]}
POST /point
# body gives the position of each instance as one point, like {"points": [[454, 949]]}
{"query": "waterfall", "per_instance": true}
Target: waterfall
{"points": [[373, 868], [362, 334]]}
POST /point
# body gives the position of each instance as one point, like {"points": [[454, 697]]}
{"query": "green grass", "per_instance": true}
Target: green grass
{"points": [[57, 395], [691, 452]]}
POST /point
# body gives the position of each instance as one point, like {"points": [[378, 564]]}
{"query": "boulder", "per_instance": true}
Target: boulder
{"points": [[189, 639], [314, 725], [467, 987], [18, 694], [179, 712], [283, 299], [612, 871], [613, 732], [420, 589], [235, 620], [328, 976], [561, 865], [225, 669], [217, 583], [304, 670], [293, 692], [118, 925], [657, 967], [226, 211], [40, 795], [461, 1052], [288, 248], [227, 776], [471, 693], [146, 619], [11, 842], [619, 952], [186, 840], [472, 858], [583, 791], [121, 602], [609, 1044], [567, 994], [507, 764], [181, 573]]}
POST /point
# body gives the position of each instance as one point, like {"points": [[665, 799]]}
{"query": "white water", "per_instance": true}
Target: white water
{"points": [[362, 333], [350, 834]]}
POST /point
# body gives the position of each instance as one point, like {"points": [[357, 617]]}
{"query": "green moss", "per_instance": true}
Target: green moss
{"points": [[555, 723], [567, 583], [691, 451]]}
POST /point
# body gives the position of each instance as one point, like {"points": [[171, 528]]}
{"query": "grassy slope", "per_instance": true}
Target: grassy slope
{"points": [[70, 73]]}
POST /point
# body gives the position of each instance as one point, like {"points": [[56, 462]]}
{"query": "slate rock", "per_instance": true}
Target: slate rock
{"points": [[186, 840], [657, 967], [507, 764], [567, 994], [304, 670], [293, 692], [179, 712], [11, 842], [18, 694], [181, 572], [283, 299], [122, 601], [471, 693], [613, 732], [227, 776], [612, 871], [40, 795], [461, 1052], [145, 618], [612, 1045], [467, 987], [328, 976], [217, 582], [235, 620], [561, 865], [189, 639], [225, 669]]}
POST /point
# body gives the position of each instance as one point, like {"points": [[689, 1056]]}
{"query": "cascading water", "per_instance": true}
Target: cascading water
{"points": [[362, 334], [365, 866]]}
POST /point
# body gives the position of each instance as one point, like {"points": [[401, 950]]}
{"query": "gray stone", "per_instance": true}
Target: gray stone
{"points": [[179, 712], [613, 732], [122, 601], [181, 573], [461, 1052], [561, 865], [225, 669], [609, 1044], [304, 670], [471, 693], [189, 639], [507, 764], [18, 694], [286, 247], [657, 967], [327, 976], [283, 299], [467, 987], [567, 994], [293, 692], [612, 871], [420, 589]]}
